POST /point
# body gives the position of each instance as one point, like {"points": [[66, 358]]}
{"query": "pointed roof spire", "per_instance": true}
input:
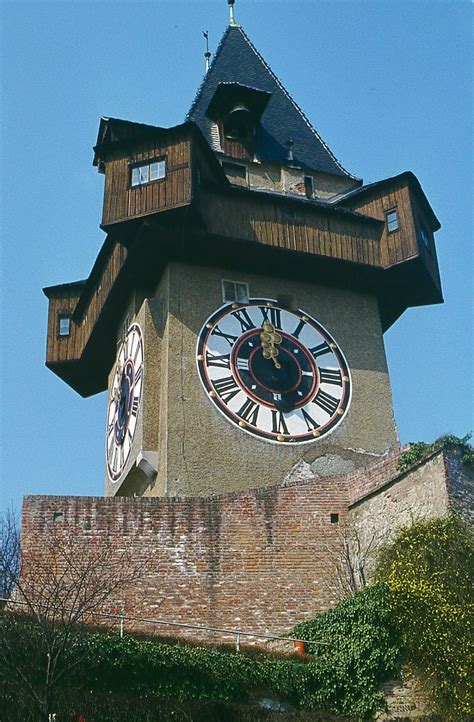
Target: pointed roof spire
{"points": [[232, 22], [238, 61]]}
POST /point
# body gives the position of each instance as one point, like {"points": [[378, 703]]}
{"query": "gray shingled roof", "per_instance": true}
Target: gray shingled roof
{"points": [[237, 61]]}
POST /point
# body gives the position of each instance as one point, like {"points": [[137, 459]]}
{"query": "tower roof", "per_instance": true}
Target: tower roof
{"points": [[237, 61]]}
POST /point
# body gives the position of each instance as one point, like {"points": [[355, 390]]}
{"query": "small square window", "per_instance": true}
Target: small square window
{"points": [[235, 291], [334, 518], [64, 325], [392, 221], [157, 170]]}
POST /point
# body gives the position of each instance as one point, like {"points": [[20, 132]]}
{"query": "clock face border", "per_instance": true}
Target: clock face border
{"points": [[320, 411], [124, 403]]}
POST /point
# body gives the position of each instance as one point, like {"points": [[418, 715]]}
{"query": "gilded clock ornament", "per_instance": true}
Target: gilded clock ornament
{"points": [[124, 402], [276, 374]]}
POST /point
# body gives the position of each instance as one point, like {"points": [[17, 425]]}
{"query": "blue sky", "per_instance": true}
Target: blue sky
{"points": [[388, 85]]}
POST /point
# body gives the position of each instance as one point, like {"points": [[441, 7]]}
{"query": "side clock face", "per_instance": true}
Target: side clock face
{"points": [[124, 402], [277, 374]]}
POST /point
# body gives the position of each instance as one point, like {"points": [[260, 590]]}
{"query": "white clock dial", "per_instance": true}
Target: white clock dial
{"points": [[124, 402], [275, 373]]}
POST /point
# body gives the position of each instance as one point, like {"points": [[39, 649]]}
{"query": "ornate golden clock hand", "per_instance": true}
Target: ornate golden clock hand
{"points": [[270, 339]]}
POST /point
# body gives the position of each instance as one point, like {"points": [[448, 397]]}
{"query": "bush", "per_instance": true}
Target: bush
{"points": [[429, 571], [420, 450]]}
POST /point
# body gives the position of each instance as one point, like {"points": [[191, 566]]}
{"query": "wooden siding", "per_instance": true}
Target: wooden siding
{"points": [[64, 300], [306, 229], [123, 202], [398, 245], [427, 254]]}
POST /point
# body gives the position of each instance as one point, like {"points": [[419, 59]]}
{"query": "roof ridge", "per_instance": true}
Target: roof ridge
{"points": [[295, 105]]}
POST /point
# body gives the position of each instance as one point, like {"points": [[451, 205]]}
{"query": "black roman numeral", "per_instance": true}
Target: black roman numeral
{"points": [[278, 423], [330, 376], [298, 329], [273, 315], [244, 319], [228, 336], [226, 388], [135, 403], [138, 374], [320, 350], [222, 362], [326, 402], [249, 412], [311, 424]]}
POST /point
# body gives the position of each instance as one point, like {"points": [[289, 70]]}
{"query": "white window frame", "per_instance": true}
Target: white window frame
{"points": [[391, 228], [147, 172]]}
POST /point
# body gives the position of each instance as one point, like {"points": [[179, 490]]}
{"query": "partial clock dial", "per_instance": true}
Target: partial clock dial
{"points": [[275, 373], [124, 402]]}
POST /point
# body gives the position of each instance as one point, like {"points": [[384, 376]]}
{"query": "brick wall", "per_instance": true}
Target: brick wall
{"points": [[259, 560]]}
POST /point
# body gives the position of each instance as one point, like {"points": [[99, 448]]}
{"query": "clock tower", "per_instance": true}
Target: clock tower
{"points": [[236, 309]]}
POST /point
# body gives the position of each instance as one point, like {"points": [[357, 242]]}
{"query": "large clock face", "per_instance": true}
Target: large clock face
{"points": [[276, 374], [124, 402]]}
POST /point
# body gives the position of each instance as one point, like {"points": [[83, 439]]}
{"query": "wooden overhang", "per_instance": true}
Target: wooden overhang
{"points": [[242, 229]]}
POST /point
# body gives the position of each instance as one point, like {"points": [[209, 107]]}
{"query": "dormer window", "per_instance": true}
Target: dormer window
{"points": [[392, 221], [148, 172]]}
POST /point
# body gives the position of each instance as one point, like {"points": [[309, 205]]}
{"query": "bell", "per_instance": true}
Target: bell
{"points": [[240, 123]]}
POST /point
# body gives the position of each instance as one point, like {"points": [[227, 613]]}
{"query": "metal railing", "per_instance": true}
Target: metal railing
{"points": [[237, 633]]}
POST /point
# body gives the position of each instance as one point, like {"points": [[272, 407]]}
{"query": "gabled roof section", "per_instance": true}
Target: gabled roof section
{"points": [[238, 61]]}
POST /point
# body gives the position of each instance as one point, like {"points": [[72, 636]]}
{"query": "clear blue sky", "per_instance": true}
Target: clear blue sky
{"points": [[388, 85]]}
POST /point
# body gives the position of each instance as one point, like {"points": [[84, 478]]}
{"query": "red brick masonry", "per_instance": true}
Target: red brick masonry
{"points": [[259, 560]]}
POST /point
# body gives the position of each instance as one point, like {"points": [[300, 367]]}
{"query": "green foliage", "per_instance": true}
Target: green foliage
{"points": [[360, 652], [429, 570], [420, 450], [342, 677]]}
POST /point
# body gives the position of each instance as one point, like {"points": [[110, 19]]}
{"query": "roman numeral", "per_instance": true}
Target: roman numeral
{"points": [[330, 376], [311, 424], [138, 374], [249, 412], [273, 315], [226, 388], [326, 402], [244, 319], [298, 329], [222, 362], [135, 403], [278, 423], [320, 350], [228, 337]]}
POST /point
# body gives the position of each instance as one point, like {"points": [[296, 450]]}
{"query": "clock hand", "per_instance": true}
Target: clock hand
{"points": [[270, 339]]}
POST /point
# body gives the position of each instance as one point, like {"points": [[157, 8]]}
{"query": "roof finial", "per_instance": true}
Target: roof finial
{"points": [[232, 22], [207, 54]]}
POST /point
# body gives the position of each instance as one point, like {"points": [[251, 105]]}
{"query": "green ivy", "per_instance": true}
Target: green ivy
{"points": [[356, 650], [429, 569], [341, 677], [420, 450]]}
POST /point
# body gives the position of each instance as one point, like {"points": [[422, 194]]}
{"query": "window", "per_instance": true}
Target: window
{"points": [[425, 239], [235, 291], [308, 186], [64, 324], [235, 169], [392, 221], [334, 518], [148, 172]]}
